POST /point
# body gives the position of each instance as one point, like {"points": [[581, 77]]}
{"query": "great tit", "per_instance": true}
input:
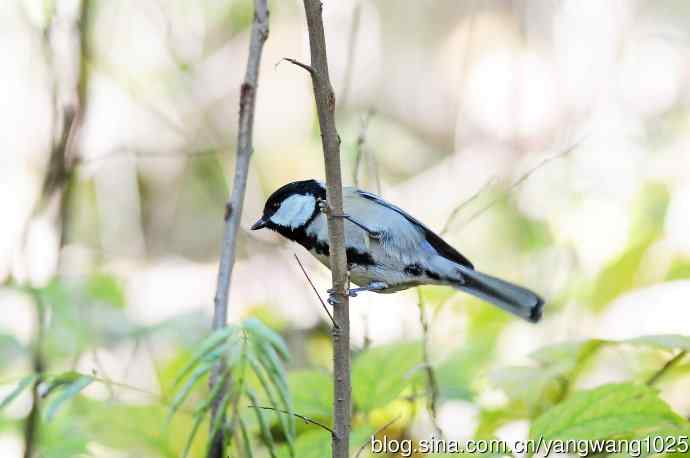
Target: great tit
{"points": [[387, 249]]}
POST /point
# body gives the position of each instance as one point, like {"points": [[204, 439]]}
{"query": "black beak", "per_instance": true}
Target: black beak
{"points": [[259, 224]]}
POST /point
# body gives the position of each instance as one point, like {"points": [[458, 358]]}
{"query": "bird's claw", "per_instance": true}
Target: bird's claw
{"points": [[332, 298]]}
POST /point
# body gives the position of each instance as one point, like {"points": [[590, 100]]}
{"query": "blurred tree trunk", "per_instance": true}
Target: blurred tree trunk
{"points": [[66, 49]]}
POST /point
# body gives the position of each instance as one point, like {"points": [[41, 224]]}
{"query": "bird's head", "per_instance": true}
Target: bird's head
{"points": [[291, 207]]}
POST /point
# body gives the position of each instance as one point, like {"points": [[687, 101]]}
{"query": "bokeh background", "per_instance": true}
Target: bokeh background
{"points": [[548, 140]]}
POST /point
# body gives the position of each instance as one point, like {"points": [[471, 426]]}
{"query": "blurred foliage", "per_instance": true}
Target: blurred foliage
{"points": [[158, 406]]}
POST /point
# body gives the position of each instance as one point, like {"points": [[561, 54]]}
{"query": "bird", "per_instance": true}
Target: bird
{"points": [[387, 249]]}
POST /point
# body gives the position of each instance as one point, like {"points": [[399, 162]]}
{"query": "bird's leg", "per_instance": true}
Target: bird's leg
{"points": [[352, 292], [324, 208]]}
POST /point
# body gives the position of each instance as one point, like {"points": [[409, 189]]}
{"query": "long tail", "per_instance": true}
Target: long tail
{"points": [[511, 298]]}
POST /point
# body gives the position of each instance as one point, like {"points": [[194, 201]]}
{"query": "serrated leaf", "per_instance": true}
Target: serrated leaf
{"points": [[21, 386], [380, 374], [620, 410], [67, 393]]}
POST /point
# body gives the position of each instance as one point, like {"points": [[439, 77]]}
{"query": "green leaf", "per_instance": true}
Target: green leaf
{"points": [[380, 374], [312, 393], [206, 351], [619, 276], [198, 418], [245, 439], [568, 358], [615, 410], [58, 381], [10, 348], [67, 393], [287, 424], [21, 386], [263, 332], [105, 288], [662, 341], [317, 443], [679, 270], [263, 425], [184, 392], [456, 374]]}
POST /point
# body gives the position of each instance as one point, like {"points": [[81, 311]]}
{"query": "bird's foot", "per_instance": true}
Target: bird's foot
{"points": [[352, 292]]}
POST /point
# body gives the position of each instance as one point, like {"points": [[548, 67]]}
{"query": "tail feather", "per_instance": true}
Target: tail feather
{"points": [[509, 297]]}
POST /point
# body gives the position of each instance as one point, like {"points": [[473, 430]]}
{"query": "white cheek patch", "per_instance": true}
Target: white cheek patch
{"points": [[294, 211]]}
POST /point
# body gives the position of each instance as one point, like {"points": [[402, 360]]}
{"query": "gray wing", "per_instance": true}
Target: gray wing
{"points": [[422, 232]]}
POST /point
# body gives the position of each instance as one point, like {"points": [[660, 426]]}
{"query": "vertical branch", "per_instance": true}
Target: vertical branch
{"points": [[259, 34], [325, 107]]}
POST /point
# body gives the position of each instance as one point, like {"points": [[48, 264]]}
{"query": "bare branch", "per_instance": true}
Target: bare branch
{"points": [[296, 62], [456, 211], [323, 304], [325, 107], [352, 42], [378, 431], [361, 141], [259, 34], [517, 183], [302, 417]]}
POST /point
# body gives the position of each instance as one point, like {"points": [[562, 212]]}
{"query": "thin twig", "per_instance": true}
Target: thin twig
{"points": [[325, 107], [258, 37], [352, 43], [456, 211], [378, 431], [302, 417], [360, 151], [323, 304], [296, 62], [431, 381], [521, 180], [666, 367]]}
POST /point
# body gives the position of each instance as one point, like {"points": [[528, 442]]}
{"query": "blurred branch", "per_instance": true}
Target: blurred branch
{"points": [[323, 304], [456, 211], [431, 381], [259, 34], [325, 107], [378, 431], [665, 368], [32, 420], [361, 151], [349, 65], [68, 99], [517, 183], [301, 417]]}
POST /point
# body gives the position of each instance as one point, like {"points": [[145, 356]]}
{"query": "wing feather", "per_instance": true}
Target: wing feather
{"points": [[436, 242]]}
